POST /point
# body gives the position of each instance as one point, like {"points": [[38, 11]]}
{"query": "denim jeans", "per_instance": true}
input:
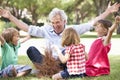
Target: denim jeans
{"points": [[66, 75], [34, 55]]}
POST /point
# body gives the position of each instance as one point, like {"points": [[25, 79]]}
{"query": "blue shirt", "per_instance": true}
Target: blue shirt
{"points": [[51, 37]]}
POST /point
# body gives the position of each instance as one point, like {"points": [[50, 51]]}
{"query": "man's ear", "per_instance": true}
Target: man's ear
{"points": [[65, 21]]}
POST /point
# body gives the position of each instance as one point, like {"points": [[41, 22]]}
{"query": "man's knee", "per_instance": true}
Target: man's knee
{"points": [[34, 55], [31, 48]]}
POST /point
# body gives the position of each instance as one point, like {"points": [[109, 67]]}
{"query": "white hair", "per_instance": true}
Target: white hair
{"points": [[57, 11]]}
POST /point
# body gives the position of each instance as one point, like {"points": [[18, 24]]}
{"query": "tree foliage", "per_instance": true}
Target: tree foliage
{"points": [[78, 11]]}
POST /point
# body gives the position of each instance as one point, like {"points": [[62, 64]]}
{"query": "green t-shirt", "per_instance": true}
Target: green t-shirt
{"points": [[9, 54]]}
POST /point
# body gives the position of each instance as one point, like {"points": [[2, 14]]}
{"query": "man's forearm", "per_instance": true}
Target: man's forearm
{"points": [[102, 16], [23, 26]]}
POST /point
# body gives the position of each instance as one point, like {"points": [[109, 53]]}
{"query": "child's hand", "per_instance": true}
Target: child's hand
{"points": [[55, 48], [117, 19]]}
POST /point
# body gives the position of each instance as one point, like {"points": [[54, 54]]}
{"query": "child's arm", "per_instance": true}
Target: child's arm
{"points": [[86, 56], [63, 58], [111, 30], [2, 40], [25, 39]]}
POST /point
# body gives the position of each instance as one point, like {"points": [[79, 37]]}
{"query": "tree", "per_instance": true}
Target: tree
{"points": [[117, 13], [37, 8]]}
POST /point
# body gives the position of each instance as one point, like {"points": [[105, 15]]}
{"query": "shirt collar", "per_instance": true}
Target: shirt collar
{"points": [[11, 44], [52, 31]]}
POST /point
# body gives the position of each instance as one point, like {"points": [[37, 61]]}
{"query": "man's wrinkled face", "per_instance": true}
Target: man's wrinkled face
{"points": [[58, 24]]}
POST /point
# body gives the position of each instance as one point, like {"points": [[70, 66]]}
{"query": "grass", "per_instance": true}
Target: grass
{"points": [[95, 36], [114, 61]]}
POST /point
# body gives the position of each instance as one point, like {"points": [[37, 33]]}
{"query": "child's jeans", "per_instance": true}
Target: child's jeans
{"points": [[7, 71]]}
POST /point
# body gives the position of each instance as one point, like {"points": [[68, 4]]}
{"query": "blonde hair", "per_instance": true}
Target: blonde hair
{"points": [[9, 33], [70, 36]]}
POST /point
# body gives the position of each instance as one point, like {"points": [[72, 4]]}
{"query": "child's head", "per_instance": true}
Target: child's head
{"points": [[70, 36], [11, 35], [102, 27]]}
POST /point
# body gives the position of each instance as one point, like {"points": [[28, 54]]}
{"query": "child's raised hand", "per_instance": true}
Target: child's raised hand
{"points": [[55, 47], [117, 19]]}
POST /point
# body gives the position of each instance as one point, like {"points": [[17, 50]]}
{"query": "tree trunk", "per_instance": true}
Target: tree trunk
{"points": [[118, 30], [118, 13]]}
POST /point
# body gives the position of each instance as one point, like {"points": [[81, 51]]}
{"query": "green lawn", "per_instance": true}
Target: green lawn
{"points": [[95, 36], [115, 69]]}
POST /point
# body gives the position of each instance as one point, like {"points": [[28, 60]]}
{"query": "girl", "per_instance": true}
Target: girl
{"points": [[98, 62], [9, 46], [74, 56]]}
